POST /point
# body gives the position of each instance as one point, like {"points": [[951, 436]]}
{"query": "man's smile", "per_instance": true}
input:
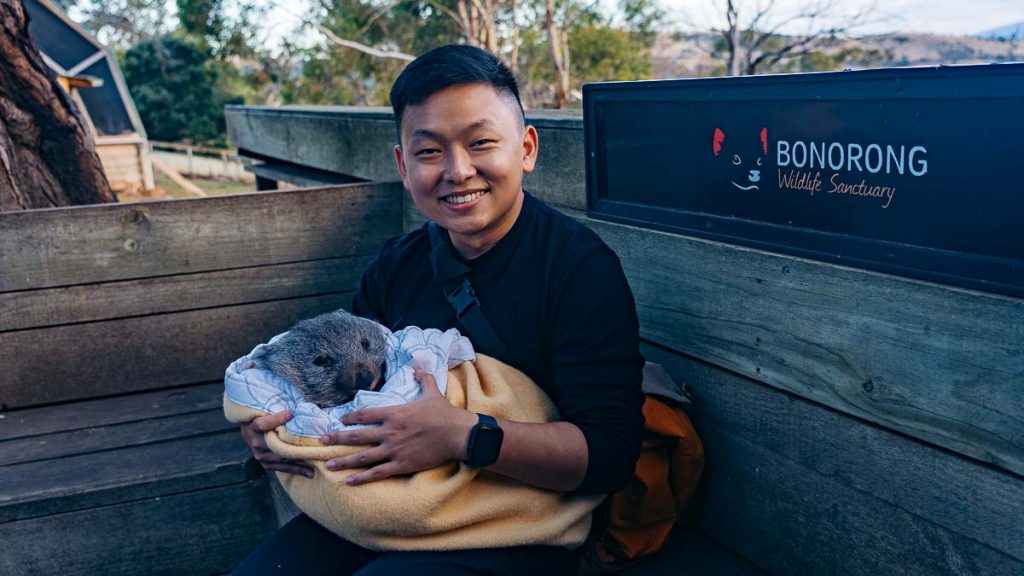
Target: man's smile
{"points": [[463, 197]]}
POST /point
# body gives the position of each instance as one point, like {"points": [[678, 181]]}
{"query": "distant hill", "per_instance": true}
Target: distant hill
{"points": [[1013, 31], [688, 55]]}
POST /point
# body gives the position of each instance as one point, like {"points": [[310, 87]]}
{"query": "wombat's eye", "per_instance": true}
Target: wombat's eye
{"points": [[366, 344], [736, 159], [323, 361]]}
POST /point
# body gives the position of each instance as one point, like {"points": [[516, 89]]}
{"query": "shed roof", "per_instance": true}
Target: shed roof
{"points": [[71, 51]]}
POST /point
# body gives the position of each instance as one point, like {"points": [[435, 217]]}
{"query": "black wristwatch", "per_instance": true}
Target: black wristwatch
{"points": [[484, 442]]}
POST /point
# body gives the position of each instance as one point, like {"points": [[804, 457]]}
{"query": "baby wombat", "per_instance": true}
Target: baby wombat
{"points": [[329, 357]]}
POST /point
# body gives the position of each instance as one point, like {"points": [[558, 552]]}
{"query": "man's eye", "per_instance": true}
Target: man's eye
{"points": [[736, 160], [483, 142], [427, 152]]}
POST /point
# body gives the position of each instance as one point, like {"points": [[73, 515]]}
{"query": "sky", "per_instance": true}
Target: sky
{"points": [[931, 16]]}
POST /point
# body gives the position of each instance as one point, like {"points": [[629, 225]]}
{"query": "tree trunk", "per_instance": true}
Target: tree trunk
{"points": [[47, 157], [514, 58], [732, 40], [554, 41]]}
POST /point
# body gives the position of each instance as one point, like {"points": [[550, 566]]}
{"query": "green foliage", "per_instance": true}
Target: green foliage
{"points": [[202, 20], [332, 74], [174, 85], [605, 53], [643, 19], [217, 55], [602, 47]]}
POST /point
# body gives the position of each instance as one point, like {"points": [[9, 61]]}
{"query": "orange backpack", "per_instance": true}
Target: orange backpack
{"points": [[636, 521]]}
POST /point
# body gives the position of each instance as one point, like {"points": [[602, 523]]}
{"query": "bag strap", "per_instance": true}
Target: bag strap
{"points": [[453, 277]]}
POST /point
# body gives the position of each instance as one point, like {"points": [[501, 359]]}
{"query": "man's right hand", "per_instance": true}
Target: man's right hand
{"points": [[254, 433]]}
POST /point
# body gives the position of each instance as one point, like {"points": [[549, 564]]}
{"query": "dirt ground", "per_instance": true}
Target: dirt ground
{"points": [[165, 188]]}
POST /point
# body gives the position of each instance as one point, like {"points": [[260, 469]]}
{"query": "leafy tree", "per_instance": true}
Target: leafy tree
{"points": [[202, 20], [174, 83], [121, 24], [516, 30]]}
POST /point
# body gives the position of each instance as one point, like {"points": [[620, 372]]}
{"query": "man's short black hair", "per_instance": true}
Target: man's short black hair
{"points": [[447, 66]]}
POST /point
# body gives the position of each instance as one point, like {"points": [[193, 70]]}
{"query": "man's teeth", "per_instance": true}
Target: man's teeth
{"points": [[463, 199]]}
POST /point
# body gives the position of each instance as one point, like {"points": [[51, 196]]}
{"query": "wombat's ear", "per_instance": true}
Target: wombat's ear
{"points": [[263, 353], [259, 355]]}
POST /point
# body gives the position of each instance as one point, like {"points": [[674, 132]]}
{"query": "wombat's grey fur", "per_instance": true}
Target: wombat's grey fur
{"points": [[329, 357]]}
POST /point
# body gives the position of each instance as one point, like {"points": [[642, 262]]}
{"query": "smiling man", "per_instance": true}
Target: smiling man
{"points": [[554, 294]]}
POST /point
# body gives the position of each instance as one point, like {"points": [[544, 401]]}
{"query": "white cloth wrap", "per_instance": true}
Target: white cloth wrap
{"points": [[409, 349]]}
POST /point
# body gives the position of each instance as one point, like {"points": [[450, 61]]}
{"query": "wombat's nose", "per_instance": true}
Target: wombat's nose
{"points": [[365, 379]]}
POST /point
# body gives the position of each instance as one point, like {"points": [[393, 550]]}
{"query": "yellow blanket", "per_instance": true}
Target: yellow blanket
{"points": [[445, 508]]}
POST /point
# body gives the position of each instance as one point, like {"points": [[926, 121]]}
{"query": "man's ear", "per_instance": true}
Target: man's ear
{"points": [[400, 163], [531, 146]]}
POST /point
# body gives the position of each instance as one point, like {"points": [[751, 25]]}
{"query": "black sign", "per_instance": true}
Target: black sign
{"points": [[916, 171]]}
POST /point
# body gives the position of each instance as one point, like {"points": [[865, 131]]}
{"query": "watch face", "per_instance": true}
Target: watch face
{"points": [[485, 445]]}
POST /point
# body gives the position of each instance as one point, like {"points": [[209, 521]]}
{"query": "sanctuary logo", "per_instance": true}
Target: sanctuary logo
{"points": [[842, 168], [747, 162]]}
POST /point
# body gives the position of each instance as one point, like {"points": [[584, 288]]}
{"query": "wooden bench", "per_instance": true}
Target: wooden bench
{"points": [[116, 325], [854, 422]]}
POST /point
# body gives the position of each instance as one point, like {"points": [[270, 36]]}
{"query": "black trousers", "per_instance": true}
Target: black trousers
{"points": [[304, 547]]}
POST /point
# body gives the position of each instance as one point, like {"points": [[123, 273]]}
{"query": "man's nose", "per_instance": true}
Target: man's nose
{"points": [[458, 166]]}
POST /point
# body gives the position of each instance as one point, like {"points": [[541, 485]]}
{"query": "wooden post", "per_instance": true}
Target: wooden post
{"points": [[265, 183]]}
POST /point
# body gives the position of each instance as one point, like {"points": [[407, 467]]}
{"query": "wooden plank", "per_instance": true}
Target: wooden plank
{"points": [[67, 246], [560, 175], [36, 489], [156, 428], [359, 142], [110, 411], [941, 364], [51, 365], [694, 554], [298, 175], [92, 302], [205, 532], [816, 464], [791, 521], [412, 218]]}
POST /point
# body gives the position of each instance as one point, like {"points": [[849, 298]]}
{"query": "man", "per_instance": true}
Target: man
{"points": [[553, 292]]}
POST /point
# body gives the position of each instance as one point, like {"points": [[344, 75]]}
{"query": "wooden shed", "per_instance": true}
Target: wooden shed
{"points": [[89, 71]]}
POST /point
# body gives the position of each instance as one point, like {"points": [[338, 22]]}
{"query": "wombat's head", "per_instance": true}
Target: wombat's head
{"points": [[329, 357]]}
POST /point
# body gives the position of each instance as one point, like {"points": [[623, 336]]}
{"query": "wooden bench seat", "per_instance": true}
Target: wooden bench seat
{"points": [[118, 481]]}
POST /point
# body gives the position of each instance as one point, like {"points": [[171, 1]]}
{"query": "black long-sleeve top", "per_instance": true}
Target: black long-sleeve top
{"points": [[557, 297]]}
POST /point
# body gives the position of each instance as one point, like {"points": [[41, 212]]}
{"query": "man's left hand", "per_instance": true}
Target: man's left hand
{"points": [[417, 436]]}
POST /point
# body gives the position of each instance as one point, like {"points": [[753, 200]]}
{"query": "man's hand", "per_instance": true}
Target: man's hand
{"points": [[254, 433], [414, 437]]}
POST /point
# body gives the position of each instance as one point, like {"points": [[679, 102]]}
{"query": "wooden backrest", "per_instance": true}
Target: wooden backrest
{"points": [[103, 300], [854, 422]]}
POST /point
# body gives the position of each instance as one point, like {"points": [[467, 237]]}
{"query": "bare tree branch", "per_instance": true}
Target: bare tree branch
{"points": [[760, 41], [359, 46]]}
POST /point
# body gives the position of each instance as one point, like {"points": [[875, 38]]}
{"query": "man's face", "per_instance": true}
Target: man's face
{"points": [[463, 154]]}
